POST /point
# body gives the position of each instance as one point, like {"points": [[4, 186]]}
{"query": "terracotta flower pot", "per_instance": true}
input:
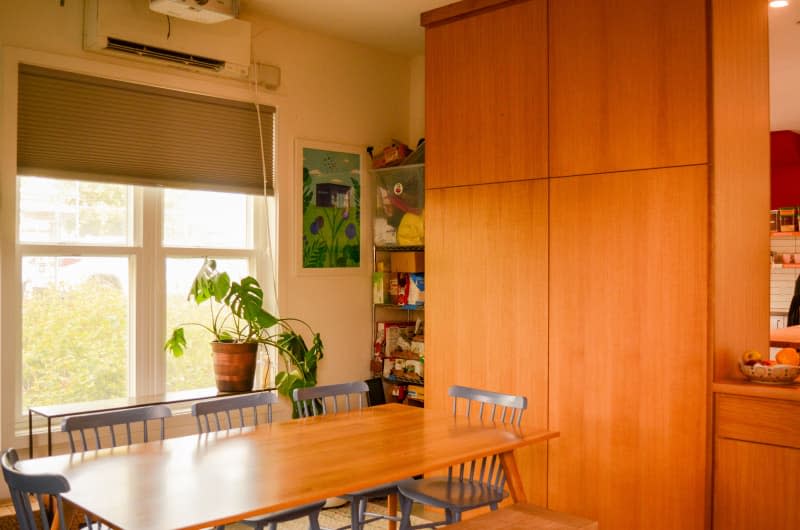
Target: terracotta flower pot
{"points": [[234, 365]]}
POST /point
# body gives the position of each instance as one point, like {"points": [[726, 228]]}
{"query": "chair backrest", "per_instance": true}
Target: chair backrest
{"points": [[232, 412], [22, 486], [117, 423], [503, 408], [319, 400], [509, 406]]}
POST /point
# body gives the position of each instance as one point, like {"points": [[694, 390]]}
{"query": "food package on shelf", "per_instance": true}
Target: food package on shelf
{"points": [[403, 369], [397, 338]]}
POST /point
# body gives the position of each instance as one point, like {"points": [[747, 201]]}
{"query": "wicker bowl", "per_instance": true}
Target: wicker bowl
{"points": [[777, 374]]}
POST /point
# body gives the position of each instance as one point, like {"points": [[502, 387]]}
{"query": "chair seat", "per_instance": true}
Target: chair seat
{"points": [[443, 493], [284, 515]]}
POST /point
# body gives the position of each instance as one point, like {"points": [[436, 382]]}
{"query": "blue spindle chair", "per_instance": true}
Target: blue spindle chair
{"points": [[319, 400], [88, 431], [242, 411], [471, 485], [44, 487]]}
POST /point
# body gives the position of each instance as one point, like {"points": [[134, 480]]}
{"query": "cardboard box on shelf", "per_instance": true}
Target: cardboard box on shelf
{"points": [[408, 262], [416, 391]]}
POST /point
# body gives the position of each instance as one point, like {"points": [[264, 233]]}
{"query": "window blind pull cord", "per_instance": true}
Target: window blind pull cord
{"points": [[270, 259]]}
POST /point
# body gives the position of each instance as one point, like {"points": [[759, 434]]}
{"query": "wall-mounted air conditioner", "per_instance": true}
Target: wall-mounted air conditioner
{"points": [[129, 29]]}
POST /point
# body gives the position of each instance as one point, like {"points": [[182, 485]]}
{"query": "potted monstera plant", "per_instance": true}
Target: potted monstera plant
{"points": [[239, 323]]}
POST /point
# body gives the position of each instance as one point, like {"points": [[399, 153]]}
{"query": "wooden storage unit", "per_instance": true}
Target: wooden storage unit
{"points": [[627, 85], [627, 329], [635, 276], [757, 463], [486, 305], [486, 96], [740, 275]]}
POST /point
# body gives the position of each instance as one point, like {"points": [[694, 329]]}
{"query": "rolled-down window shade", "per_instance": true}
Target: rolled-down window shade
{"points": [[78, 126]]}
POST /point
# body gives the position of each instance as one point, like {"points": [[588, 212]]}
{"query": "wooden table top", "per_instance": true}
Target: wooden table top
{"points": [[788, 337], [205, 480]]}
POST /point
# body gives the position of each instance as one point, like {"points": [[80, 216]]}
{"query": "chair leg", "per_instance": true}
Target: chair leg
{"points": [[456, 516], [313, 521], [405, 509], [493, 506], [356, 512]]}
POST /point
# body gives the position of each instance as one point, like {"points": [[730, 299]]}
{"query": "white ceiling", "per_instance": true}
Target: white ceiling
{"points": [[784, 66], [391, 25]]}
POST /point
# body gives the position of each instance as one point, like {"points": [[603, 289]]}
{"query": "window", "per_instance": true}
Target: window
{"points": [[105, 269], [121, 190]]}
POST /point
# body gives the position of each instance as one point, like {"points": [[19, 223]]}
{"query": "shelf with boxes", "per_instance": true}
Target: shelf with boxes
{"points": [[398, 282]]}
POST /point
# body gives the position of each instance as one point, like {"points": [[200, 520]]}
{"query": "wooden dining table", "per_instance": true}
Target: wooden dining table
{"points": [[204, 480]]}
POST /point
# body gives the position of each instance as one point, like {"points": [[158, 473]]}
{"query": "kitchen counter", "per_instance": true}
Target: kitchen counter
{"points": [[785, 337], [743, 387]]}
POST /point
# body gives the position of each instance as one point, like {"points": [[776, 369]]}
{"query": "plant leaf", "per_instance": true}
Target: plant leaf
{"points": [[221, 284], [176, 343]]}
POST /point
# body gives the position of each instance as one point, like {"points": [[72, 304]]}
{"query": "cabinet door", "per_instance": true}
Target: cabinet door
{"points": [[756, 486], [627, 85], [486, 301], [486, 96], [628, 351]]}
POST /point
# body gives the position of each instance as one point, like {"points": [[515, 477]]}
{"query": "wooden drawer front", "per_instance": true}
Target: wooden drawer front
{"points": [[760, 420]]}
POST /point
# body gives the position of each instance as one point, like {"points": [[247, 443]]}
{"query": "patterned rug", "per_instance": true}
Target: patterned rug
{"points": [[329, 519], [336, 518]]}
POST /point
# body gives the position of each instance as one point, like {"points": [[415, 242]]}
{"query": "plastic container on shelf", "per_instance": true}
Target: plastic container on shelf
{"points": [[400, 206]]}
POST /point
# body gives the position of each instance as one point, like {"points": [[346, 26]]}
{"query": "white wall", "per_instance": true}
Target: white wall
{"points": [[416, 100], [331, 90]]}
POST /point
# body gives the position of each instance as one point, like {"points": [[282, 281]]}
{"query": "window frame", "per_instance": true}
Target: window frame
{"points": [[147, 257]]}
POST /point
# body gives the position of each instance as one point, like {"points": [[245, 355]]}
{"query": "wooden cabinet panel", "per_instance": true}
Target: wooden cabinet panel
{"points": [[768, 421], [627, 85], [486, 96], [486, 300], [755, 486], [628, 348], [741, 186]]}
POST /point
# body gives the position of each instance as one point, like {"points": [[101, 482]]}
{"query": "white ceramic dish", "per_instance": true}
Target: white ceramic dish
{"points": [[777, 374]]}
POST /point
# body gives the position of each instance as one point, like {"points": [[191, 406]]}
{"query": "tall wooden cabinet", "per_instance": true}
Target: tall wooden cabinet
{"points": [[627, 85], [581, 284], [627, 328], [486, 95], [486, 275]]}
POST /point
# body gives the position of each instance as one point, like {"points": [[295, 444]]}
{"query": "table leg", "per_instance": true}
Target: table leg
{"points": [[69, 514], [49, 437], [513, 479], [30, 434], [391, 509]]}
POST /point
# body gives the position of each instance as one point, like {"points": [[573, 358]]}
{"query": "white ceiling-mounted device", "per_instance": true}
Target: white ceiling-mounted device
{"points": [[127, 28], [204, 11]]}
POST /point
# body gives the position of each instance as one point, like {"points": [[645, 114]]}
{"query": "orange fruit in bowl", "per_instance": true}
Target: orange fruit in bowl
{"points": [[788, 356]]}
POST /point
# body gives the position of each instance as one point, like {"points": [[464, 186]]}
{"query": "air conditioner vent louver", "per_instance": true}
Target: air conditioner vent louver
{"points": [[165, 55]]}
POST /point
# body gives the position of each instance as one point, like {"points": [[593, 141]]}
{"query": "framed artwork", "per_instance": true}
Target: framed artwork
{"points": [[330, 176]]}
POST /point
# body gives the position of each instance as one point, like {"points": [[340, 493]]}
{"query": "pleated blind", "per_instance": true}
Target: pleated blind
{"points": [[89, 128]]}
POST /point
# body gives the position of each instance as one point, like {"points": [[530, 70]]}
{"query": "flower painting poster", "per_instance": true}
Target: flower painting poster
{"points": [[331, 208]]}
